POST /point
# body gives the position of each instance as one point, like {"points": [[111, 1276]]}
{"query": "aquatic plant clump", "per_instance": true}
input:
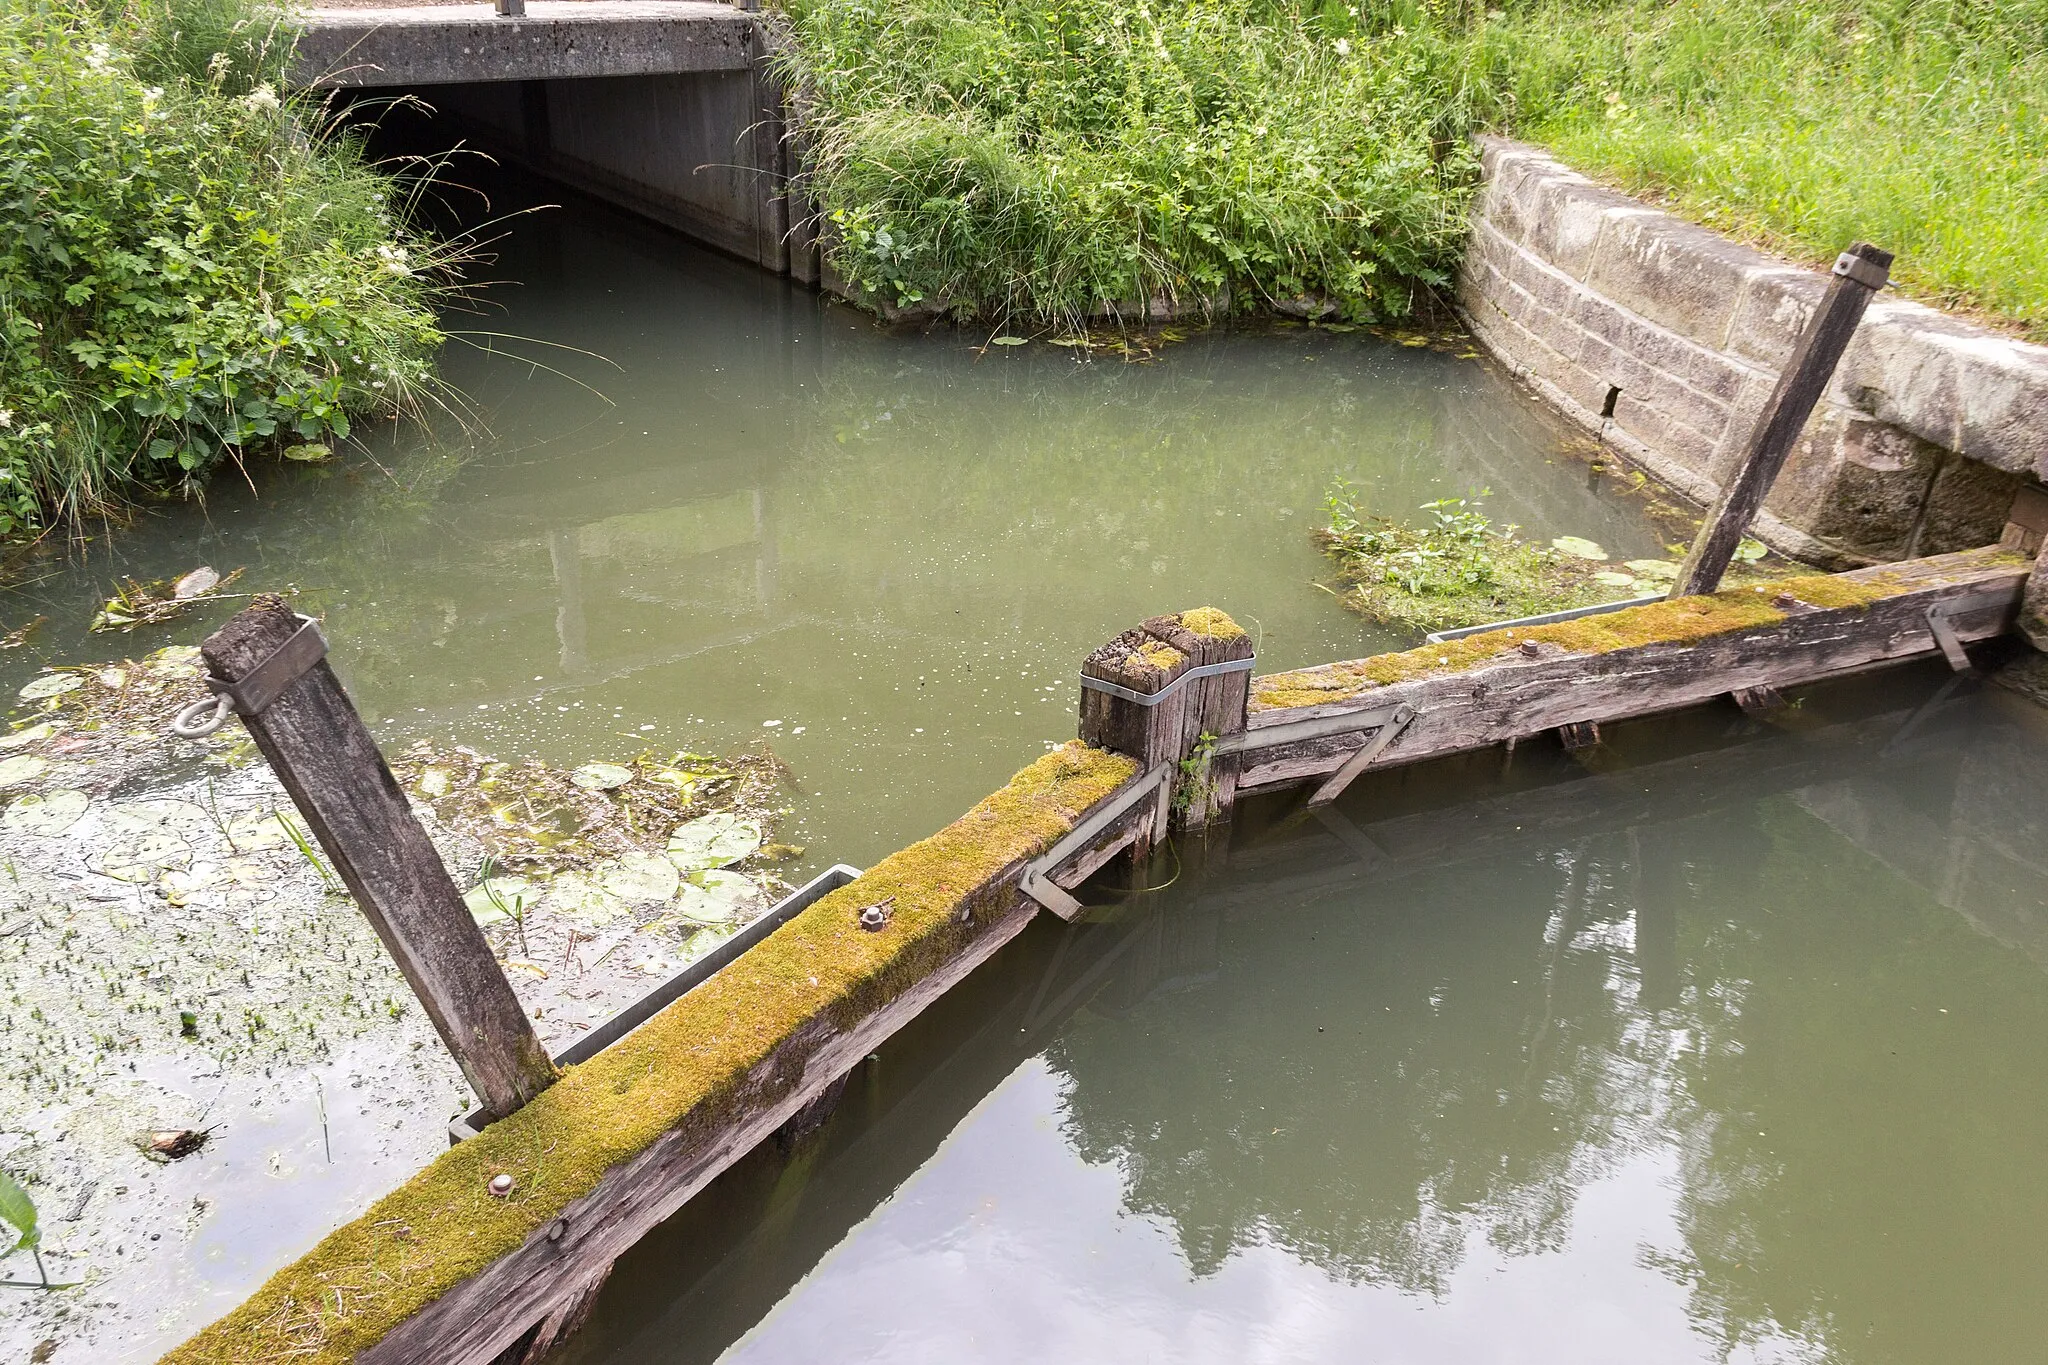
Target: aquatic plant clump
{"points": [[1092, 157], [1457, 568], [191, 274]]}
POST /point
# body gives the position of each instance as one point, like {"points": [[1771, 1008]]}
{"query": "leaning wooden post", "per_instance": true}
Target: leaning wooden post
{"points": [[1859, 273], [1153, 693], [270, 664]]}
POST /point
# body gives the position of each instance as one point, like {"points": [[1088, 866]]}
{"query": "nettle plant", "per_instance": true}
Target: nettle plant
{"points": [[190, 273]]}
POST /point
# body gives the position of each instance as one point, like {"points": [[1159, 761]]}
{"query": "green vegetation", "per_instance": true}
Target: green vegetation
{"points": [[192, 274], [1052, 161], [1459, 569], [1921, 125]]}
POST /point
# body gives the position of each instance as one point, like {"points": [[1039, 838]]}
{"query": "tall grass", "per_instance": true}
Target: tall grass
{"points": [[1921, 125], [188, 275], [1042, 160], [1052, 160]]}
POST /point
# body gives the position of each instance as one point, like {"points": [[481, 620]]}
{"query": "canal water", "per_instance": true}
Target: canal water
{"points": [[1727, 1051], [1724, 1051], [704, 509]]}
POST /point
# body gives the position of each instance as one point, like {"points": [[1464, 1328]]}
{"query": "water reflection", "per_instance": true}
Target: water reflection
{"points": [[1724, 1052], [758, 507]]}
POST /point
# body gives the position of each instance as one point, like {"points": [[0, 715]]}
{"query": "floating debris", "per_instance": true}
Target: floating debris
{"points": [[173, 1144], [160, 600], [16, 638]]}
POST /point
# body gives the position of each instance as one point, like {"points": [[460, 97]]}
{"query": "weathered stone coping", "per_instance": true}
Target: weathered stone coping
{"points": [[737, 1044], [1665, 338], [411, 45]]}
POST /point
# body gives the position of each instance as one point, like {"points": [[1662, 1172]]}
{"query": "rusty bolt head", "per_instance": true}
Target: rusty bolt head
{"points": [[501, 1185], [873, 917]]}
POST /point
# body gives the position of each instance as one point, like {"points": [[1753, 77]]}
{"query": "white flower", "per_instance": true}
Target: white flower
{"points": [[96, 57], [393, 258], [1343, 47], [261, 100], [6, 419]]}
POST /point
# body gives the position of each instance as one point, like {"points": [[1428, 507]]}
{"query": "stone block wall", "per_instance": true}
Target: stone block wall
{"points": [[1665, 339]]}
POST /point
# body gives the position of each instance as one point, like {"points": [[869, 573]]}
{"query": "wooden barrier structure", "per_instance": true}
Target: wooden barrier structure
{"points": [[1176, 731]]}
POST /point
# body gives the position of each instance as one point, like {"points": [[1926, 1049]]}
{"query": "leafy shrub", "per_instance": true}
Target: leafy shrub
{"points": [[189, 275], [1055, 159]]}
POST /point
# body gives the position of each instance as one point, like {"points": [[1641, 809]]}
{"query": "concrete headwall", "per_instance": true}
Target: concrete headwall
{"points": [[1665, 339]]}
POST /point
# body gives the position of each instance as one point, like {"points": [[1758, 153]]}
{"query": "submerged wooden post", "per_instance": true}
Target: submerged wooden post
{"points": [[271, 662], [1165, 692], [1859, 273]]}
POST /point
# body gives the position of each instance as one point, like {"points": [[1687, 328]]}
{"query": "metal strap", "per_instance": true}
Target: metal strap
{"points": [[1037, 881], [1360, 761], [1154, 698], [254, 691], [1869, 274], [1944, 632]]}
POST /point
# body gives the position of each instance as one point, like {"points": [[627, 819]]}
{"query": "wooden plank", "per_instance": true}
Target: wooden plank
{"points": [[1215, 707], [338, 779], [478, 1319], [1858, 276], [1523, 695]]}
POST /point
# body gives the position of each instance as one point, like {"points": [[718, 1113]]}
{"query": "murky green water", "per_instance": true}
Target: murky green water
{"points": [[1729, 1051], [763, 516]]}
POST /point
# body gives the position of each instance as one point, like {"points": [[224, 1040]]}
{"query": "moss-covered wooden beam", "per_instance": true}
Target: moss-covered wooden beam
{"points": [[442, 1270], [1508, 684]]}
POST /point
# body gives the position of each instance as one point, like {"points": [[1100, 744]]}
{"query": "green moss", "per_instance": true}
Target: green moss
{"points": [[1211, 624], [1682, 620], [690, 1068], [1161, 656]]}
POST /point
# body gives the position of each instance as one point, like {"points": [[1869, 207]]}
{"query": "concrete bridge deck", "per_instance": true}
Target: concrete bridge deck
{"points": [[417, 45]]}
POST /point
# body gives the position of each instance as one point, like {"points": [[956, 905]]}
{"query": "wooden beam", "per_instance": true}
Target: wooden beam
{"points": [[1215, 708], [1859, 274], [484, 1315], [1522, 694], [338, 779]]}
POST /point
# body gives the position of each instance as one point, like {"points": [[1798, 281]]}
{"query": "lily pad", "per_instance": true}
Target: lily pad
{"points": [[576, 896], [310, 453], [1578, 547], [176, 661], [1657, 570], [264, 829], [715, 897], [46, 816], [31, 735], [1750, 551], [601, 777], [642, 878], [141, 858], [21, 768], [714, 840], [1006, 341], [1615, 580], [511, 893], [51, 685], [141, 817]]}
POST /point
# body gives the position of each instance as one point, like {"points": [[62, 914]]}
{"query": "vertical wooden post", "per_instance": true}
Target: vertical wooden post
{"points": [[1153, 661], [317, 744], [1215, 707], [1860, 272], [1143, 716]]}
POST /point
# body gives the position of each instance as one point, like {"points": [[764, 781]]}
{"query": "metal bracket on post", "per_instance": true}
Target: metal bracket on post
{"points": [[1944, 633], [1037, 881], [1334, 786], [252, 694]]}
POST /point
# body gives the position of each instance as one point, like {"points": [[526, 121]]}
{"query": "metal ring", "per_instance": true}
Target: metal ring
{"points": [[187, 724]]}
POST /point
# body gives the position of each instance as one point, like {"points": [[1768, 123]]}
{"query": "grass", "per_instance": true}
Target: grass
{"points": [[1052, 162], [1049, 162], [1921, 125]]}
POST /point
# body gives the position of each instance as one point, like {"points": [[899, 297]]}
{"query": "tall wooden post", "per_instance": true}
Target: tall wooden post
{"points": [[1860, 272], [272, 664], [1156, 691]]}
